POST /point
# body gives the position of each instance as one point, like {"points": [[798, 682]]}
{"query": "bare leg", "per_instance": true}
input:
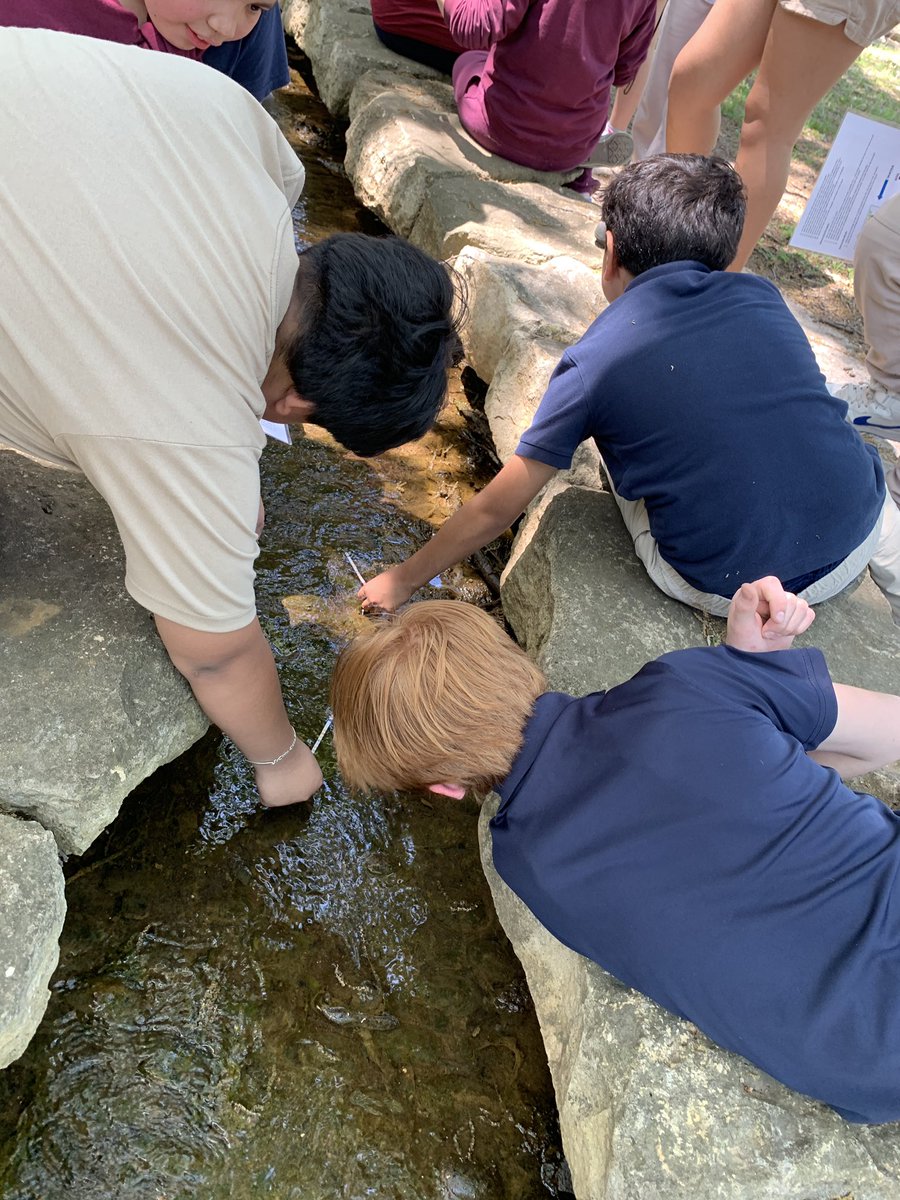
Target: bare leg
{"points": [[723, 51], [802, 59]]}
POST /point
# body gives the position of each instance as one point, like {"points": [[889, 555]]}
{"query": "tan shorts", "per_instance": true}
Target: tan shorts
{"points": [[866, 20]]}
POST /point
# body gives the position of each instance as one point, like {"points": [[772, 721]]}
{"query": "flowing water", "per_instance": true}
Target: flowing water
{"points": [[315, 1003]]}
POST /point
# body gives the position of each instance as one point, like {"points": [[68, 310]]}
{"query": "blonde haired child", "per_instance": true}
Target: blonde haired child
{"points": [[687, 830]]}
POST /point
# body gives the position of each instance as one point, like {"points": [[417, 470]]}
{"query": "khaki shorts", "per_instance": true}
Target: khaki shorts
{"points": [[866, 20]]}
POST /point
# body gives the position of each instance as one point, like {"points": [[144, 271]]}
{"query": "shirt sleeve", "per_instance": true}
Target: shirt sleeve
{"points": [[258, 62], [187, 518], [562, 420], [635, 47], [791, 688], [477, 24]]}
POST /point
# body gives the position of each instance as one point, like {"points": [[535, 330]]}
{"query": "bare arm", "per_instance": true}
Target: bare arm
{"points": [[474, 525], [763, 616], [867, 733], [234, 680]]}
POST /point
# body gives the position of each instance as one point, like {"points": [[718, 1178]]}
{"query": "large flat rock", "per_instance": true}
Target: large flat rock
{"points": [[294, 15], [339, 39], [406, 147], [583, 606], [91, 703], [32, 910], [525, 221], [557, 299]]}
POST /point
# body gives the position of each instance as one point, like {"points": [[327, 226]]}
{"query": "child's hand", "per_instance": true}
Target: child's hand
{"points": [[295, 779], [387, 590], [763, 616]]}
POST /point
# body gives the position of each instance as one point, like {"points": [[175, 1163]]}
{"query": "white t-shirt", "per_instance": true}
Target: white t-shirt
{"points": [[146, 260]]}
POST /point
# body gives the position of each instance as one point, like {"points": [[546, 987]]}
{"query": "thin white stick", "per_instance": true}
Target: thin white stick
{"points": [[318, 742], [356, 569]]}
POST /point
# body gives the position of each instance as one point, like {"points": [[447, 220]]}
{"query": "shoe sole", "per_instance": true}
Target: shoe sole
{"points": [[612, 150]]}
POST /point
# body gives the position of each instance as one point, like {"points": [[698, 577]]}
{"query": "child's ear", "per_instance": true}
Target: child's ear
{"points": [[453, 790], [290, 407], [610, 262]]}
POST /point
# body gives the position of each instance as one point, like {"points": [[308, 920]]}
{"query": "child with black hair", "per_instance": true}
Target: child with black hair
{"points": [[725, 452], [141, 342], [688, 830]]}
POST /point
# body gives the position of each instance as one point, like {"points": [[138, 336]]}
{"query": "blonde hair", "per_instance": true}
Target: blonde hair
{"points": [[438, 694]]}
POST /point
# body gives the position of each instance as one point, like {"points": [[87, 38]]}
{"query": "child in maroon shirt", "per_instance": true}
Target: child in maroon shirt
{"points": [[535, 88]]}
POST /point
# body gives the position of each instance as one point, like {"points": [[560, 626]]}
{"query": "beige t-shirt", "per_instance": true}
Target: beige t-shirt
{"points": [[146, 260]]}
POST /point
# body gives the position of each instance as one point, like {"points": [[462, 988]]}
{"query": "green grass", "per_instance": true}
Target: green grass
{"points": [[870, 87]]}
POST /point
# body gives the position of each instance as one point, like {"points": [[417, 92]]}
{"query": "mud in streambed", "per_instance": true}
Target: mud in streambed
{"points": [[316, 1003]]}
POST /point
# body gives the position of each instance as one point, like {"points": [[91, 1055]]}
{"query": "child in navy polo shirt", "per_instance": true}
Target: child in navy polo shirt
{"points": [[687, 830], [727, 455]]}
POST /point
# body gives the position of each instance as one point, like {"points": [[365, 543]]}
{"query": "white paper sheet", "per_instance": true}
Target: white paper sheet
{"points": [[281, 433], [862, 170]]}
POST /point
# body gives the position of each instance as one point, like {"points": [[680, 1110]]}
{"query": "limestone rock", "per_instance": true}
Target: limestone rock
{"points": [[339, 39], [294, 15], [32, 910], [649, 1107], [558, 300], [525, 221], [405, 144], [92, 704], [580, 601], [582, 604], [519, 382]]}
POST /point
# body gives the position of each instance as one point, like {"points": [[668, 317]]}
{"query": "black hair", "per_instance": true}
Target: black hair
{"points": [[673, 207], [377, 332]]}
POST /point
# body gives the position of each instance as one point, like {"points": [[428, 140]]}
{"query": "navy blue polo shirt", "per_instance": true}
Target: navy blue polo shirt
{"points": [[704, 398], [674, 831], [258, 62]]}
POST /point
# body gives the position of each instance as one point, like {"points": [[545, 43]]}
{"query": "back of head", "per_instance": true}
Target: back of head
{"points": [[436, 694], [674, 207], [377, 335]]}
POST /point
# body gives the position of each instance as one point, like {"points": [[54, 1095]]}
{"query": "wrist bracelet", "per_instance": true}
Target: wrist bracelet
{"points": [[273, 762]]}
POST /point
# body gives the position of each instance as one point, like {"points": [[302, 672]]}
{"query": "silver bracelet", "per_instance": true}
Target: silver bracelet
{"points": [[273, 762]]}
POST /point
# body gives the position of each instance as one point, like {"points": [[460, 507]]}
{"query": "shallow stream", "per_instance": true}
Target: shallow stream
{"points": [[316, 1003]]}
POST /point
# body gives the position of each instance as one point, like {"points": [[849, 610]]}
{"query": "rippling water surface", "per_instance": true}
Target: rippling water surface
{"points": [[314, 1003]]}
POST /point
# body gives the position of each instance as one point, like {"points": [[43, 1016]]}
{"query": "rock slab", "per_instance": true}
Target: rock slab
{"points": [[91, 703], [32, 909]]}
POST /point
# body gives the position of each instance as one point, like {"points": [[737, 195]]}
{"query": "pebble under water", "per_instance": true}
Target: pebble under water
{"points": [[313, 1003]]}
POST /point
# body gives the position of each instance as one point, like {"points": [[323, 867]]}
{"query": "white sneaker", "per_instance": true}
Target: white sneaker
{"points": [[872, 408]]}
